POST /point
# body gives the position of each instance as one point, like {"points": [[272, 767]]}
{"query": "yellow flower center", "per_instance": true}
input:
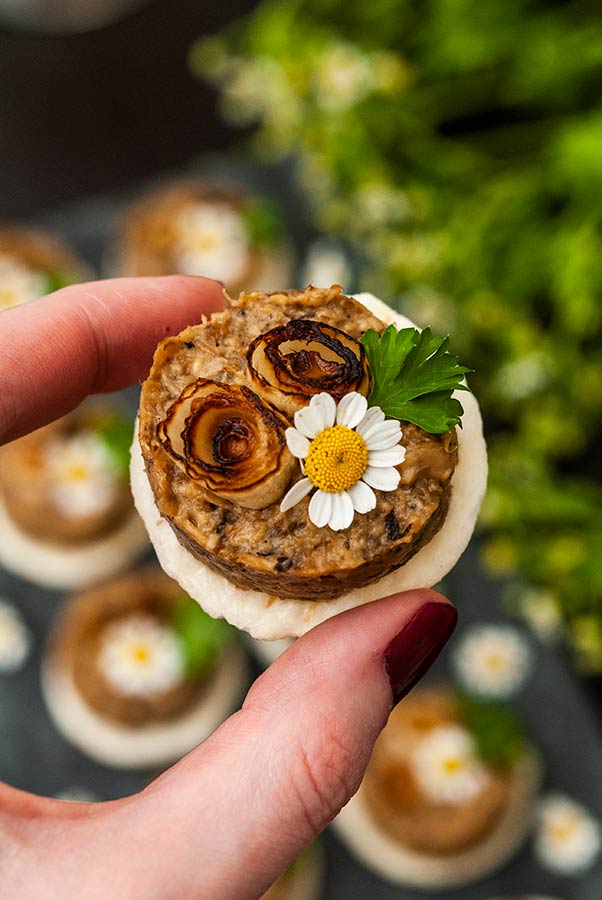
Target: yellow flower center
{"points": [[337, 458], [8, 298], [563, 830], [140, 654], [495, 662], [77, 472], [452, 764]]}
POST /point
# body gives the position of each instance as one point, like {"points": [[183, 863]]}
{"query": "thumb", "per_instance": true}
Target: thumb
{"points": [[227, 819], [243, 805]]}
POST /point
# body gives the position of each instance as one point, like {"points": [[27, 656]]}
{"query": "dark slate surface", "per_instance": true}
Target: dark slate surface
{"points": [[553, 705]]}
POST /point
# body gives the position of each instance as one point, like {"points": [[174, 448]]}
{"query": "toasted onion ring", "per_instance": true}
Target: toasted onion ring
{"points": [[229, 442], [292, 362]]}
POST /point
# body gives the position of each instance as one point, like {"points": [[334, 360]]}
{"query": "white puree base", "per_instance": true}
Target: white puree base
{"points": [[150, 746], [66, 568], [402, 865], [270, 618]]}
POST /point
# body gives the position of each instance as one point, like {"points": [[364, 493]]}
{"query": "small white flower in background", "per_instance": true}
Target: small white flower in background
{"points": [[492, 660], [345, 461], [326, 264], [446, 767], [342, 78], [77, 794], [425, 306], [540, 610], [18, 283], [568, 838], [523, 377], [378, 204], [258, 89], [139, 656], [212, 240], [15, 638], [81, 474]]}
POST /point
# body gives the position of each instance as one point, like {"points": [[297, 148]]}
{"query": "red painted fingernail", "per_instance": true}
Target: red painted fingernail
{"points": [[415, 648]]}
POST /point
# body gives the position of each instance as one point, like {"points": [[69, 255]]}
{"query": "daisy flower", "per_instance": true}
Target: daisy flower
{"points": [[212, 240], [140, 656], [346, 451], [492, 660], [446, 766], [15, 639], [82, 474], [568, 838], [18, 283], [541, 611]]}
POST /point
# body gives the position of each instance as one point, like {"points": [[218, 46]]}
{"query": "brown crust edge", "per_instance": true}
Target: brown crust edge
{"points": [[329, 585]]}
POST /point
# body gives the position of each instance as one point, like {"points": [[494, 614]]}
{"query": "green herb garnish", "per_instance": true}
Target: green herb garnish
{"points": [[201, 637], [263, 220], [116, 433], [414, 376], [495, 729], [57, 280]]}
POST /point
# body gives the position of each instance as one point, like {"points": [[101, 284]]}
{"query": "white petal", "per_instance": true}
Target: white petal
{"points": [[308, 421], [381, 433], [325, 407], [298, 491], [391, 457], [351, 409], [342, 512], [373, 415], [320, 508], [381, 479], [297, 443], [362, 497]]}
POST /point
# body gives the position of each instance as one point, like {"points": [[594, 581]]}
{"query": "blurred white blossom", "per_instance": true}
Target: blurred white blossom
{"points": [[342, 77], [446, 766], [568, 838], [492, 660], [15, 638], [541, 611]]}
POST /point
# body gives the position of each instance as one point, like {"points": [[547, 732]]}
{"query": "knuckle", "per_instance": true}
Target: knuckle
{"points": [[326, 777]]}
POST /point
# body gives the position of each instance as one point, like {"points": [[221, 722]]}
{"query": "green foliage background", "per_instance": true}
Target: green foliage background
{"points": [[457, 145]]}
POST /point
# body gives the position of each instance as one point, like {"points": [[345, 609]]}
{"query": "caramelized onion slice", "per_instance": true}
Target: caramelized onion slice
{"points": [[292, 362], [230, 442]]}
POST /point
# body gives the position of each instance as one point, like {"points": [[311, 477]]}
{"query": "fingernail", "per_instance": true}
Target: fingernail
{"points": [[415, 648]]}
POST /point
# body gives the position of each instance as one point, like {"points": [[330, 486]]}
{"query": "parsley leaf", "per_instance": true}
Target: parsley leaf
{"points": [[263, 220], [116, 433], [57, 280], [200, 637], [414, 376], [495, 729]]}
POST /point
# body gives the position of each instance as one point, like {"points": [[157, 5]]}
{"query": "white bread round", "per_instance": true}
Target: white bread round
{"points": [[69, 568], [271, 618], [268, 652], [273, 268], [402, 865], [150, 746]]}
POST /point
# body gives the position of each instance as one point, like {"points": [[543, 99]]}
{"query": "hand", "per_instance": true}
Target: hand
{"points": [[226, 820]]}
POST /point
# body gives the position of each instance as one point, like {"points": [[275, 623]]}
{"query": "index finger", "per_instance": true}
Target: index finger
{"points": [[89, 338]]}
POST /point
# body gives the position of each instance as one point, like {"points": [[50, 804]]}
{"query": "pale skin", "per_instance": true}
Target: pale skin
{"points": [[226, 820]]}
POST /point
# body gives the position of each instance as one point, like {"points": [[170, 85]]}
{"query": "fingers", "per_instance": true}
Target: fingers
{"points": [[234, 813], [89, 338]]}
